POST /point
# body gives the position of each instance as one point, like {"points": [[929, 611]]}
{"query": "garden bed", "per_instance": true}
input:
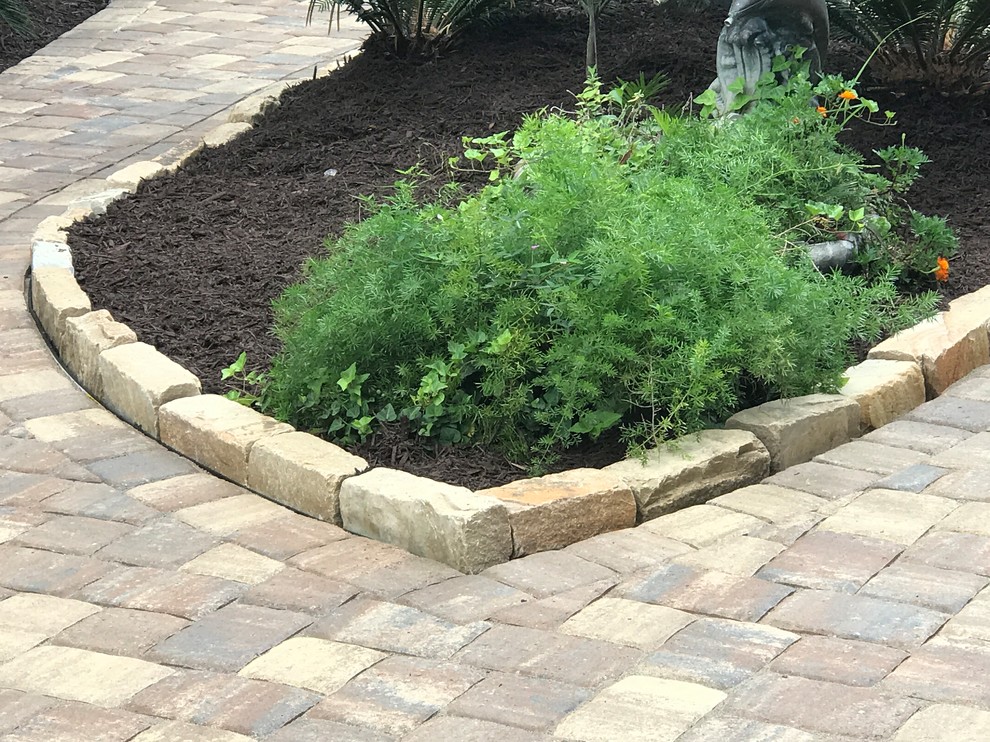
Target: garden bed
{"points": [[193, 261], [50, 19]]}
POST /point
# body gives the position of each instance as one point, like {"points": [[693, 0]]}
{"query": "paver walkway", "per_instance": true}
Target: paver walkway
{"points": [[142, 599]]}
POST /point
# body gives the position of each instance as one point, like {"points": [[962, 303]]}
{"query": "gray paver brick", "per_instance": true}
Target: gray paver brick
{"points": [[295, 590], [395, 628], [954, 412], [398, 694], [548, 573], [16, 707], [917, 436], [949, 550], [549, 613], [912, 479], [830, 561], [142, 467], [824, 480], [99, 501], [35, 571], [531, 703], [73, 535], [466, 598], [570, 659], [945, 673], [856, 617], [306, 729], [229, 638], [470, 730], [838, 660], [717, 653], [931, 587], [65, 720], [252, 707], [120, 631], [165, 542], [863, 713]]}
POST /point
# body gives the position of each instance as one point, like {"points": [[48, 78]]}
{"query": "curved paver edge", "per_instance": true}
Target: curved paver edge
{"points": [[467, 530]]}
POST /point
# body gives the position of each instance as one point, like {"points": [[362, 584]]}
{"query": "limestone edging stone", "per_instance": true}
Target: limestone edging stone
{"points": [[438, 521], [693, 470], [84, 339], [56, 296], [885, 390], [302, 472], [798, 429], [557, 510], [216, 432], [137, 380]]}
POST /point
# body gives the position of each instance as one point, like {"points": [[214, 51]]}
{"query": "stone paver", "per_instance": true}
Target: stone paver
{"points": [[142, 599]]}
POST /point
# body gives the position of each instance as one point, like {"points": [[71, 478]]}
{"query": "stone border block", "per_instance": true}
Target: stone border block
{"points": [[52, 229], [131, 176], [56, 296], [693, 470], [215, 432], [97, 203], [302, 472], [434, 520], [557, 510], [224, 133], [46, 254], [137, 380], [84, 339], [884, 390], [798, 429], [946, 347]]}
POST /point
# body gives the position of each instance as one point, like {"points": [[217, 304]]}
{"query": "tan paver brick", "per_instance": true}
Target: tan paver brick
{"points": [[80, 675], [232, 562], [315, 664], [890, 515], [627, 622], [944, 722]]}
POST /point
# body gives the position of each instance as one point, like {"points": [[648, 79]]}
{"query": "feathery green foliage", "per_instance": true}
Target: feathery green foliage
{"points": [[414, 27], [625, 268], [945, 43]]}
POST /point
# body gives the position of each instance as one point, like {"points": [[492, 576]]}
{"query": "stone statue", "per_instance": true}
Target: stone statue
{"points": [[757, 31]]}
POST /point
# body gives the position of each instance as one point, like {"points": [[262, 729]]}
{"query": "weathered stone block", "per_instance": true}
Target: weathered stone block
{"points": [[52, 229], [85, 338], [696, 469], [137, 380], [796, 430], [432, 519], [97, 202], [245, 111], [946, 347], [129, 177], [885, 390], [557, 510], [46, 254], [302, 471], [56, 296], [224, 133], [216, 432]]}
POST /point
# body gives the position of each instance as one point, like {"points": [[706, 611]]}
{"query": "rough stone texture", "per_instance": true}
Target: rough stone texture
{"points": [[130, 176], [302, 471], [98, 202], [245, 111], [885, 390], [638, 709], [796, 430], [696, 469], [137, 380], [85, 338], [431, 519], [52, 229], [224, 133], [557, 510], [216, 432], [948, 346], [56, 296]]}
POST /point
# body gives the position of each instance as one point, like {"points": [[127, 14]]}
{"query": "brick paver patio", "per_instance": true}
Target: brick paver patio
{"points": [[143, 599]]}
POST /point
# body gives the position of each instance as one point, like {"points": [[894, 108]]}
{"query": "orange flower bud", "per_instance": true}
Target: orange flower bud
{"points": [[823, 111], [942, 271], [848, 95]]}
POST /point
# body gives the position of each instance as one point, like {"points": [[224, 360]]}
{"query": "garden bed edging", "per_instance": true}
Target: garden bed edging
{"points": [[472, 531]]}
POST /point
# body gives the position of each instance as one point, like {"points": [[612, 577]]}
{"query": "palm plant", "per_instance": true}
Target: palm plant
{"points": [[415, 27], [14, 16], [943, 43]]}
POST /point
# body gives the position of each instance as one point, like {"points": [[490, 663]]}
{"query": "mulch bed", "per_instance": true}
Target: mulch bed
{"points": [[49, 20], [193, 261]]}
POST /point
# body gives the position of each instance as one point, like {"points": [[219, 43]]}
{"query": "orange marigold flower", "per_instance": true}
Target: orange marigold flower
{"points": [[848, 95], [942, 271], [823, 111]]}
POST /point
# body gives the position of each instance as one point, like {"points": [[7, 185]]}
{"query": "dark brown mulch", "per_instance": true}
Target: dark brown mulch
{"points": [[49, 19], [194, 260]]}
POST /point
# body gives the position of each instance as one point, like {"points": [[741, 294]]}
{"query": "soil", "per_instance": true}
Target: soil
{"points": [[49, 19], [193, 261]]}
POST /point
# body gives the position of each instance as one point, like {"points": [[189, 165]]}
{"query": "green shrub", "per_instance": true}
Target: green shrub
{"points": [[944, 44], [413, 27], [625, 268]]}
